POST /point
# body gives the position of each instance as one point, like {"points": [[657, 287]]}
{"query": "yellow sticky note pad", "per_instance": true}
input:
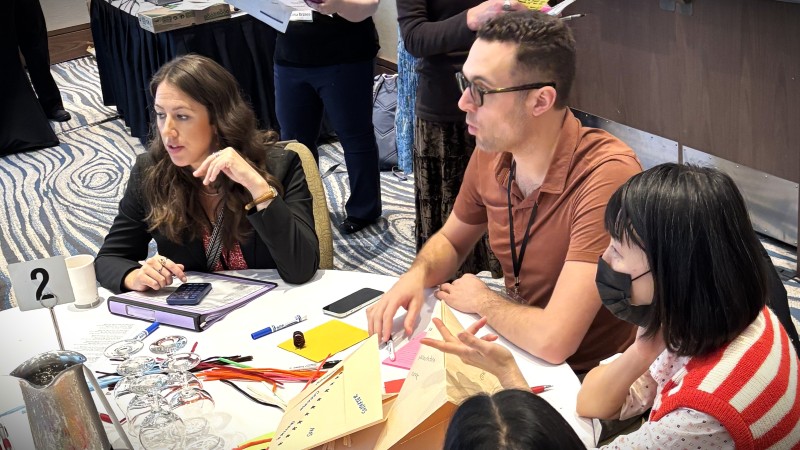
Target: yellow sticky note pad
{"points": [[534, 4], [327, 339]]}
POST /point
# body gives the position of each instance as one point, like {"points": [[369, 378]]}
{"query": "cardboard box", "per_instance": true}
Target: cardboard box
{"points": [[159, 20], [212, 13]]}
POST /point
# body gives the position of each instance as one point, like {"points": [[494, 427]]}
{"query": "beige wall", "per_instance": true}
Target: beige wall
{"points": [[386, 22], [64, 13]]}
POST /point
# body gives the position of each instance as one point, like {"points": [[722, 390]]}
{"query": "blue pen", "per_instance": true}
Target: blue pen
{"points": [[148, 331], [273, 328]]}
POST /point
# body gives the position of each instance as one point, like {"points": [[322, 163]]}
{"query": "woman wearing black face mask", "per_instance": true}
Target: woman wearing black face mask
{"points": [[711, 359]]}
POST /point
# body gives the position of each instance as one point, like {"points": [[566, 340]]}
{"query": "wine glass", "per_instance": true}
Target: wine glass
{"points": [[123, 349], [130, 369], [199, 437], [167, 346], [204, 442], [190, 400], [160, 428], [146, 395]]}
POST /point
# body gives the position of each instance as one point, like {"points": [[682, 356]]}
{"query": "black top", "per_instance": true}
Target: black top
{"points": [[284, 236], [326, 41], [436, 32]]}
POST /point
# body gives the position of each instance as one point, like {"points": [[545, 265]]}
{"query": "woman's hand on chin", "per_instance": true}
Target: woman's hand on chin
{"points": [[229, 162]]}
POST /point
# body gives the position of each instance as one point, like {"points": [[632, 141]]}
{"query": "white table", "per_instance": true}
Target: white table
{"points": [[236, 419]]}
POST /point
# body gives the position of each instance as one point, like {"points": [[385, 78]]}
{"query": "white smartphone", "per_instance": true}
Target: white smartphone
{"points": [[353, 302]]}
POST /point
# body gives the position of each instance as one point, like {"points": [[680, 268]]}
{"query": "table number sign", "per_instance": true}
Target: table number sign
{"points": [[41, 283]]}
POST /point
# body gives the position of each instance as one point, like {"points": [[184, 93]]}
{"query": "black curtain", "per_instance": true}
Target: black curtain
{"points": [[128, 56]]}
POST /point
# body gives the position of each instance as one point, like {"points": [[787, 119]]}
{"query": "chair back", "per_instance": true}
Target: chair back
{"points": [[322, 220]]}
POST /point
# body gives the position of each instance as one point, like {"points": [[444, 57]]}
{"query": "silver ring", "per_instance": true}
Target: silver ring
{"points": [[506, 5]]}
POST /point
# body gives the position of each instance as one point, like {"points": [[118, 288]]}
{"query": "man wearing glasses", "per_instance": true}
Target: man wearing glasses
{"points": [[539, 184]]}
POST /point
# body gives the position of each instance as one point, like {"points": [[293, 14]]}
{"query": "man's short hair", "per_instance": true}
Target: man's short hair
{"points": [[545, 49]]}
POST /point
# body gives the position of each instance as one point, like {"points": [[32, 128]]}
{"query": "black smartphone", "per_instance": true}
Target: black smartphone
{"points": [[189, 294], [353, 302]]}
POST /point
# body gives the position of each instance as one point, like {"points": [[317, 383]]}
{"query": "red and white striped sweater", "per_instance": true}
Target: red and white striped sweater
{"points": [[750, 386]]}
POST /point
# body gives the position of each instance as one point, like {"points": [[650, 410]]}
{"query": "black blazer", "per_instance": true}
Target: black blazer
{"points": [[284, 236]]}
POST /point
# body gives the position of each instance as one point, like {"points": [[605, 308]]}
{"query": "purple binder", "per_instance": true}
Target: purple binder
{"points": [[228, 293]]}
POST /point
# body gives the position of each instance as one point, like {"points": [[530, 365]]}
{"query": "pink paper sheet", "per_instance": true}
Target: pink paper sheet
{"points": [[404, 356]]}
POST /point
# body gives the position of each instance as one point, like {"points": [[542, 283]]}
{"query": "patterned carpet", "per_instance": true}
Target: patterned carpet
{"points": [[62, 200]]}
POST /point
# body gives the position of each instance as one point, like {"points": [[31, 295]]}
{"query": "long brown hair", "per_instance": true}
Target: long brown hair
{"points": [[173, 192]]}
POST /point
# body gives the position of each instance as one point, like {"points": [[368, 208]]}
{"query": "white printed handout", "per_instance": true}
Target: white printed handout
{"points": [[272, 12]]}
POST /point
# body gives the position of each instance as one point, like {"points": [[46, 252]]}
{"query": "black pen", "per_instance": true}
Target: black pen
{"points": [[328, 365]]}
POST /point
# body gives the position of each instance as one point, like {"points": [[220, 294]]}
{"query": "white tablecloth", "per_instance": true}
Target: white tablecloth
{"points": [[236, 419]]}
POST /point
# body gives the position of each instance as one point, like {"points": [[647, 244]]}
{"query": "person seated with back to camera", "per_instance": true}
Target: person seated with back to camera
{"points": [[212, 190], [710, 358], [512, 419]]}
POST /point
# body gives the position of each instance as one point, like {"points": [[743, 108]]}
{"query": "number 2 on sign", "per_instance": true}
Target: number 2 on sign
{"points": [[43, 284]]}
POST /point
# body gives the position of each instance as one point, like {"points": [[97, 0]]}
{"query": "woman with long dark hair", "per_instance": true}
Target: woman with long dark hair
{"points": [[711, 359], [212, 190]]}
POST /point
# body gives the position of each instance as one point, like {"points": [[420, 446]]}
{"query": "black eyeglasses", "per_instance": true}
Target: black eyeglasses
{"points": [[477, 92]]}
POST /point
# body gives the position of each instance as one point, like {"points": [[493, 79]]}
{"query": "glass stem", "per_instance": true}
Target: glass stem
{"points": [[155, 398], [185, 391]]}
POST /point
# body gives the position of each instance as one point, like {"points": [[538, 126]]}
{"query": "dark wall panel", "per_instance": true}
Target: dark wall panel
{"points": [[725, 80]]}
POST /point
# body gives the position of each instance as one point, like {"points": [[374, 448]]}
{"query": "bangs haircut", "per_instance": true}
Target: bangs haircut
{"points": [[545, 48], [710, 279]]}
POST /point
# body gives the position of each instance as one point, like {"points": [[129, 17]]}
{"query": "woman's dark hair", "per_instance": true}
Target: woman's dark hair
{"points": [[172, 191], [710, 278], [546, 48], [509, 420]]}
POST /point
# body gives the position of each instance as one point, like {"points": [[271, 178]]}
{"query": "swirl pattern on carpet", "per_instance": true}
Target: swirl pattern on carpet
{"points": [[62, 200]]}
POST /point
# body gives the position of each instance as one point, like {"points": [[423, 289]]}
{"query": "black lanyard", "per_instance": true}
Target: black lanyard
{"points": [[517, 263]]}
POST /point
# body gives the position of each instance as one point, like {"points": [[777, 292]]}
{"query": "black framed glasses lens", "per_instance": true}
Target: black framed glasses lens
{"points": [[474, 92]]}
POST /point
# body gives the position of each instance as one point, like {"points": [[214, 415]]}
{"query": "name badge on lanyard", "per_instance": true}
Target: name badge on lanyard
{"points": [[513, 291], [304, 15]]}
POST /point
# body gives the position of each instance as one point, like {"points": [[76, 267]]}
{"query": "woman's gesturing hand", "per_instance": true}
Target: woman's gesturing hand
{"points": [[482, 352]]}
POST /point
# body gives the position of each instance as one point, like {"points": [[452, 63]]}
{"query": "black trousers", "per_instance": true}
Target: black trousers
{"points": [[32, 42], [345, 92], [23, 125]]}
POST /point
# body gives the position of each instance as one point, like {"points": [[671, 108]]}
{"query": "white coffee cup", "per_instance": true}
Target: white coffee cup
{"points": [[84, 283]]}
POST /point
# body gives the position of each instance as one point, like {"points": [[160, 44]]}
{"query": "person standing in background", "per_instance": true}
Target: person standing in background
{"points": [[32, 40], [439, 33], [327, 64]]}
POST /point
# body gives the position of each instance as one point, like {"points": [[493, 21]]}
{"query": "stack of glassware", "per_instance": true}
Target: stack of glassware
{"points": [[166, 405]]}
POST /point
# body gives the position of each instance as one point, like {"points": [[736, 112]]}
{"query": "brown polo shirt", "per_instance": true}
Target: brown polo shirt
{"points": [[587, 167]]}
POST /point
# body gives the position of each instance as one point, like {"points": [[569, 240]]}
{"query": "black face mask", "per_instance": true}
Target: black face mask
{"points": [[615, 292]]}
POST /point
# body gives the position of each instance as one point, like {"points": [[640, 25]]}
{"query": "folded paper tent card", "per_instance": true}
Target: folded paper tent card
{"points": [[346, 408]]}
